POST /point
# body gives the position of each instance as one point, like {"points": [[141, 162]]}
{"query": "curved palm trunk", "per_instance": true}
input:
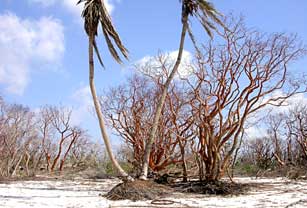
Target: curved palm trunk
{"points": [[162, 101], [99, 113]]}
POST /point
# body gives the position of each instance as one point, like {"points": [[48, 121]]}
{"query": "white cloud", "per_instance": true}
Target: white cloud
{"points": [[83, 105], [255, 126], [45, 3], [151, 63], [23, 42], [278, 107], [289, 103], [254, 132], [70, 5]]}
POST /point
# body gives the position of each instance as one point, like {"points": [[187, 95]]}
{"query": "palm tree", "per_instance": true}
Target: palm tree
{"points": [[207, 15], [95, 13]]}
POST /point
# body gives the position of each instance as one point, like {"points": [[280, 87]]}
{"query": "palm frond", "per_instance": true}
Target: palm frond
{"points": [[192, 37], [206, 14], [98, 53], [110, 33], [111, 46], [95, 14]]}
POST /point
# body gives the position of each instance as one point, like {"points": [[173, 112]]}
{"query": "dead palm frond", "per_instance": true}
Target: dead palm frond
{"points": [[95, 13], [204, 12]]}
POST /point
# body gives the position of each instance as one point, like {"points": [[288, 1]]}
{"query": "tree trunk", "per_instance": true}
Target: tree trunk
{"points": [[236, 155], [27, 163], [56, 159], [48, 162], [184, 163], [289, 151], [185, 172], [162, 101], [99, 113], [200, 166], [74, 135], [37, 163], [17, 166]]}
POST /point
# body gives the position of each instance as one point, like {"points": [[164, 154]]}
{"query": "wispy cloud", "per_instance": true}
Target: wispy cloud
{"points": [[256, 128], [70, 5], [83, 105], [24, 42], [151, 64]]}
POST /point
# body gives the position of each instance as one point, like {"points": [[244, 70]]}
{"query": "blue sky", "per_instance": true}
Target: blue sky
{"points": [[43, 47]]}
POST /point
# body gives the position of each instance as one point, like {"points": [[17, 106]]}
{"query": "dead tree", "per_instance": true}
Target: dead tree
{"points": [[182, 123], [84, 153], [57, 135], [131, 110], [234, 78], [61, 122], [2, 136], [263, 152], [297, 126], [76, 134], [46, 133], [16, 135], [275, 125], [27, 138]]}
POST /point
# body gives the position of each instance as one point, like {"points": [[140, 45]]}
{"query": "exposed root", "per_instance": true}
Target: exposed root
{"points": [[143, 178], [138, 190], [212, 187], [300, 202]]}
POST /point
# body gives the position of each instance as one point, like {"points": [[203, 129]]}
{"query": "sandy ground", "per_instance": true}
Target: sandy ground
{"points": [[276, 192]]}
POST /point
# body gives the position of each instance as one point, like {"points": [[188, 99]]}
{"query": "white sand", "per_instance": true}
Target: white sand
{"points": [[276, 192]]}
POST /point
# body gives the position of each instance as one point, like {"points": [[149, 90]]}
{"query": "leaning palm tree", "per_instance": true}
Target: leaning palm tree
{"points": [[95, 13], [207, 15]]}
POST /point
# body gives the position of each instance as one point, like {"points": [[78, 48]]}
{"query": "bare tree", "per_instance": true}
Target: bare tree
{"points": [[61, 122], [76, 133], [182, 123], [29, 140], [233, 80], [85, 153], [262, 149], [46, 133], [16, 135], [297, 126], [130, 109], [57, 135], [275, 125]]}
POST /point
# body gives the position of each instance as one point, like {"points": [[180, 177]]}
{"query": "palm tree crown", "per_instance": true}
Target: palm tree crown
{"points": [[204, 12], [95, 13]]}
